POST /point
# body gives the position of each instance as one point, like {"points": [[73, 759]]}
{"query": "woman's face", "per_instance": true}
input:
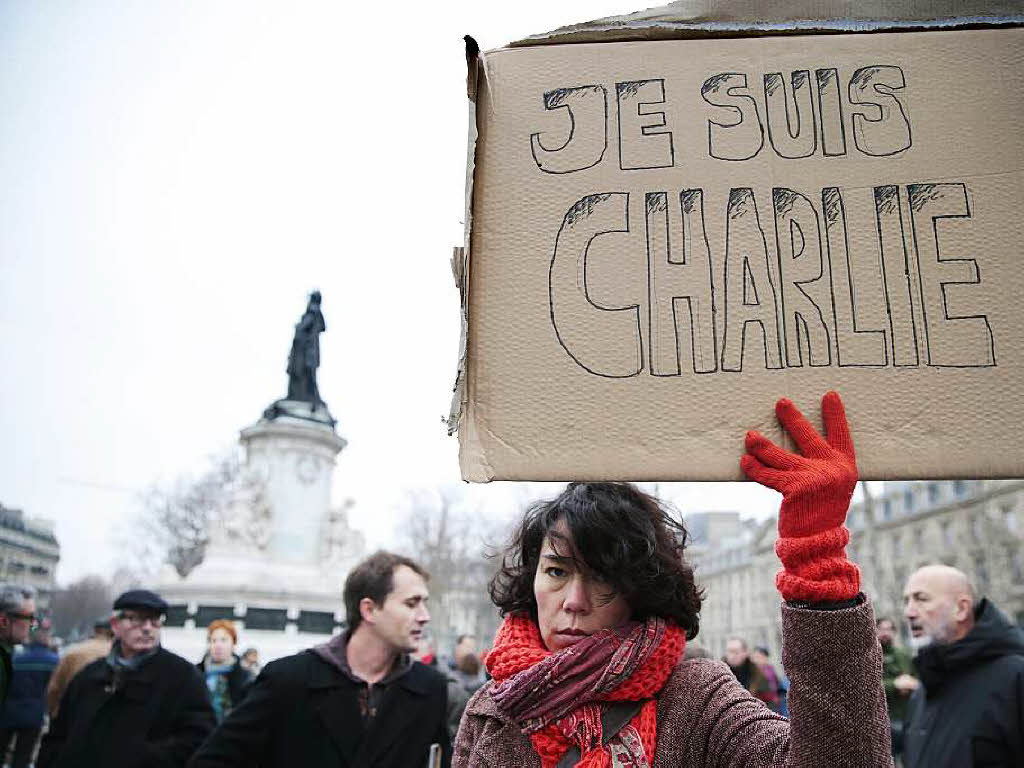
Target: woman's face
{"points": [[221, 646], [571, 603]]}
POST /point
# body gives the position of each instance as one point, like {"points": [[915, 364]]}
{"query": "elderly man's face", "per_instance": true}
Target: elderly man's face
{"points": [[16, 625], [930, 606], [138, 630]]}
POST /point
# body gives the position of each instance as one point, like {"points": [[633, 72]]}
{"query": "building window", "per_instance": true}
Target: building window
{"points": [[1016, 560], [919, 539], [317, 622], [933, 493], [899, 575], [897, 545], [908, 501], [1009, 517], [266, 618], [176, 615], [887, 509], [980, 573], [947, 534], [977, 527], [959, 488], [210, 613]]}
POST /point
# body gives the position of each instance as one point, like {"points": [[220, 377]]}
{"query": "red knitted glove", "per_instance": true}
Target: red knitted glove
{"points": [[816, 488]]}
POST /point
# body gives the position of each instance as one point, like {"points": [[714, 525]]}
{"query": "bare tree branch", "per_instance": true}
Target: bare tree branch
{"points": [[79, 605], [177, 520]]}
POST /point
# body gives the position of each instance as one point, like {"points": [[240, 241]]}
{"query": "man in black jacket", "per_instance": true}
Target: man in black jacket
{"points": [[969, 709], [17, 614], [359, 700], [139, 707]]}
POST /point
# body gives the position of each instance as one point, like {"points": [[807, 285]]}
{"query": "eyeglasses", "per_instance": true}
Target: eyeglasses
{"points": [[29, 617], [134, 620]]}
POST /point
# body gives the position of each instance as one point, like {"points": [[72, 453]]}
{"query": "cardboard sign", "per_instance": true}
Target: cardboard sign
{"points": [[669, 235]]}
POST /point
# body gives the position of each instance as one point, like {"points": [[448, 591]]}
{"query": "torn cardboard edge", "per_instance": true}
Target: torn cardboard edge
{"points": [[460, 254], [739, 18], [660, 30]]}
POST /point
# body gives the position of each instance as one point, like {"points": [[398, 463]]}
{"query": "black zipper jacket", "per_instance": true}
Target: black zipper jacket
{"points": [[969, 710]]}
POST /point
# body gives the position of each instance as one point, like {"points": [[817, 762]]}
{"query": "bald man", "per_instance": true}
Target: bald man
{"points": [[969, 707]]}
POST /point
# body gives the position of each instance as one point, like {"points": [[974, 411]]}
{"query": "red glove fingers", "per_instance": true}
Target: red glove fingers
{"points": [[807, 439], [816, 485]]}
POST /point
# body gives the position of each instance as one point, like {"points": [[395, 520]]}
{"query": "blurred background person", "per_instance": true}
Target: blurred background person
{"points": [[74, 658], [17, 615], [463, 644], [896, 669], [141, 706], [737, 656], [425, 652], [251, 661], [23, 712], [469, 673], [760, 657], [226, 678], [968, 709]]}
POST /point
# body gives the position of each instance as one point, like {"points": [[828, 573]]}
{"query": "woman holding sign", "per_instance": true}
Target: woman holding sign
{"points": [[599, 602]]}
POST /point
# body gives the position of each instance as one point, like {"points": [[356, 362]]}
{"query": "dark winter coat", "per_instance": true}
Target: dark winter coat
{"points": [[706, 718], [154, 717], [969, 710], [26, 698], [303, 711], [239, 679], [6, 670]]}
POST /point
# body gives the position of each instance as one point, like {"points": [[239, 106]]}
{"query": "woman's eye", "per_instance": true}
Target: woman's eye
{"points": [[555, 572]]}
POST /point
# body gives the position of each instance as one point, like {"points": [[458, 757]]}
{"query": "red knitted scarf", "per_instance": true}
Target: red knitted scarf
{"points": [[555, 697]]}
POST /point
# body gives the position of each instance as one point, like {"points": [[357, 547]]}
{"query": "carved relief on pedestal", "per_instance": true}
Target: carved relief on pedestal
{"points": [[246, 519], [340, 543], [307, 468]]}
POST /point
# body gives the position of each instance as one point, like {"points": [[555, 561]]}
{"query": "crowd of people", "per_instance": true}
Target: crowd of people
{"points": [[594, 665]]}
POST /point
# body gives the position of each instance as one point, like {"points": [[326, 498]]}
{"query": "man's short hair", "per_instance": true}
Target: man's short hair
{"points": [[374, 578], [13, 596], [460, 638], [762, 650], [740, 640]]}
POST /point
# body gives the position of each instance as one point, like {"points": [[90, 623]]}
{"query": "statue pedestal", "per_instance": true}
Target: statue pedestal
{"points": [[294, 459], [279, 547]]}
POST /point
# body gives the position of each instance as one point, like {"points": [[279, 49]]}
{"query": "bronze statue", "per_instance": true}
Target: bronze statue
{"points": [[303, 361], [305, 355]]}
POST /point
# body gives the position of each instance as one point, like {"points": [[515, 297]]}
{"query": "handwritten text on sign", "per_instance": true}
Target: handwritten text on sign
{"points": [[786, 285]]}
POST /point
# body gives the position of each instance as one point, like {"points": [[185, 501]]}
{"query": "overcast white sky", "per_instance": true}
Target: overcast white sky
{"points": [[175, 177]]}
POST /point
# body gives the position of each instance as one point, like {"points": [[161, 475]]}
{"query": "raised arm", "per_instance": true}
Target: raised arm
{"points": [[836, 700]]}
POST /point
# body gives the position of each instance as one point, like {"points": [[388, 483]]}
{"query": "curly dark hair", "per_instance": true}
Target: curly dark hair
{"points": [[622, 536]]}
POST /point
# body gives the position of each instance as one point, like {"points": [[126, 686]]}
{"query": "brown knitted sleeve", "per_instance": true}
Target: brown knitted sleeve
{"points": [[836, 703], [466, 737], [836, 700]]}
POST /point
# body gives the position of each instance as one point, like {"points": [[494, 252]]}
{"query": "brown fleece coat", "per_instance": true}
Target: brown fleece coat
{"points": [[707, 719]]}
